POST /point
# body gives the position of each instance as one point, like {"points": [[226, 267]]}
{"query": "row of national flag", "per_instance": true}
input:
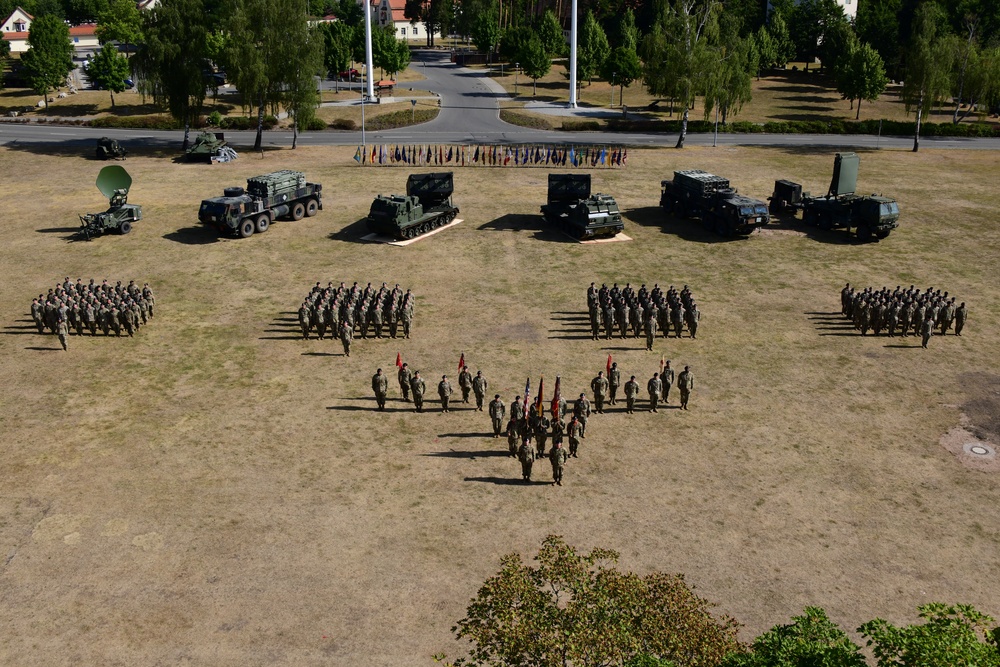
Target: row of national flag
{"points": [[534, 155]]}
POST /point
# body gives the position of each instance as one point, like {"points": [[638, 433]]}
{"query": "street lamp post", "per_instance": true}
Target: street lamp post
{"points": [[517, 70], [613, 75]]}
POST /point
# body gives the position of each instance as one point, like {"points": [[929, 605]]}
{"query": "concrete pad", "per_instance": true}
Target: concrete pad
{"points": [[388, 240], [620, 236]]}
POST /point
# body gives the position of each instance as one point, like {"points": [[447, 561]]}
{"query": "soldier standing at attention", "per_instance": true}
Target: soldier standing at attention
{"points": [[418, 387], [614, 380], [517, 410], [650, 331], [693, 317], [497, 412], [581, 411], [595, 320], [600, 387], [512, 438], [927, 330], [465, 383], [557, 457], [479, 386], [444, 391], [631, 391], [575, 432], [655, 388], [36, 315], [526, 455], [667, 378], [961, 313], [380, 385], [404, 376], [62, 329], [541, 432], [685, 382], [346, 336], [558, 429]]}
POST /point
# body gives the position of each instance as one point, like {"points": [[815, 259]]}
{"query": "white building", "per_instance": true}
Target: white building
{"points": [[390, 12], [17, 26]]}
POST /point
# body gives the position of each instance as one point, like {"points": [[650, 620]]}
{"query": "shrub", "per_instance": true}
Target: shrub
{"points": [[156, 122], [401, 118], [524, 120], [214, 119], [316, 124], [343, 124], [581, 126]]}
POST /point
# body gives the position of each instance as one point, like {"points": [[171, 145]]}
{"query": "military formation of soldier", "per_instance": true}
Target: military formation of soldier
{"points": [[345, 311], [902, 311], [631, 313], [78, 307]]}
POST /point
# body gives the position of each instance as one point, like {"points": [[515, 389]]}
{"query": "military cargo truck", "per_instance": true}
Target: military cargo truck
{"points": [[114, 183], [698, 194], [574, 210], [280, 194], [427, 205], [871, 216]]}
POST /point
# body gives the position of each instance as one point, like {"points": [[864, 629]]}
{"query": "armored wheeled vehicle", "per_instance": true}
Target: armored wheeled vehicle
{"points": [[575, 211], [280, 194], [114, 183], [110, 149], [427, 205], [698, 194], [871, 216]]}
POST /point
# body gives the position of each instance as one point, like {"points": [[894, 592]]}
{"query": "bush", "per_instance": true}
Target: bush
{"points": [[523, 120], [214, 119], [316, 124], [246, 122], [581, 126], [401, 118], [137, 122], [343, 124]]}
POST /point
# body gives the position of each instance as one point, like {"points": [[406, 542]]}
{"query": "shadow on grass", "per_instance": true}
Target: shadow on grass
{"points": [[199, 235], [506, 481], [465, 435], [322, 354], [453, 454], [535, 224], [832, 236], [45, 349], [352, 233], [688, 230], [917, 346], [58, 230]]}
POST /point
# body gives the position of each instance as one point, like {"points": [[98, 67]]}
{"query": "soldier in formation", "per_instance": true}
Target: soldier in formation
{"points": [[599, 385], [685, 383], [368, 312], [91, 307], [654, 388], [417, 387], [479, 387], [647, 311], [901, 310], [614, 381], [631, 391], [497, 412], [465, 383], [557, 457], [404, 375], [444, 392]]}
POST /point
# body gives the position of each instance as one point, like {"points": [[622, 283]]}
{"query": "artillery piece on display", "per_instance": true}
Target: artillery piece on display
{"points": [[114, 183], [574, 210], [694, 193], [871, 216], [426, 206], [110, 149], [266, 198], [210, 147]]}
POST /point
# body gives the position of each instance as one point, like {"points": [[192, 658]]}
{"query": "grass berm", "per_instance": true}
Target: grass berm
{"points": [[218, 492]]}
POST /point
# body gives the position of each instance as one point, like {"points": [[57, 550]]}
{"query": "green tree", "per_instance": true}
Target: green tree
{"points": [[304, 46], [436, 15], [810, 640], [622, 67], [514, 42], [171, 59], [862, 74], [956, 636], [579, 609], [980, 88], [835, 49], [784, 47], [109, 69], [625, 32], [351, 13], [486, 33], [337, 42], [767, 51], [877, 23], [592, 49], [536, 61], [928, 66], [49, 58], [550, 33], [83, 11], [729, 83], [119, 22], [4, 57], [811, 24], [677, 53]]}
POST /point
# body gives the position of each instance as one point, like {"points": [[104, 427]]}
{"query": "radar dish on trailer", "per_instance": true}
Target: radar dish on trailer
{"points": [[113, 178]]}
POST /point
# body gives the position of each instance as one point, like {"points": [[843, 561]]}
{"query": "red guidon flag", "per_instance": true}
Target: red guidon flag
{"points": [[399, 361], [609, 365], [538, 402], [461, 362], [555, 401]]}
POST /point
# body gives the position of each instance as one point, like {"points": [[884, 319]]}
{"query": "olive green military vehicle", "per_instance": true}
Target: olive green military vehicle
{"points": [[427, 205], [698, 194], [110, 149], [573, 210], [114, 183], [280, 194], [871, 216], [206, 146]]}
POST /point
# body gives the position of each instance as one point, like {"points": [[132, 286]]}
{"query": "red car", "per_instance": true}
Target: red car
{"points": [[349, 75]]}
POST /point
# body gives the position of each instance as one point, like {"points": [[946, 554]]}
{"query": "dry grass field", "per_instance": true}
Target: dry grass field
{"points": [[217, 491]]}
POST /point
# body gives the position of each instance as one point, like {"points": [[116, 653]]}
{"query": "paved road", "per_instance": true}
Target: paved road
{"points": [[468, 115]]}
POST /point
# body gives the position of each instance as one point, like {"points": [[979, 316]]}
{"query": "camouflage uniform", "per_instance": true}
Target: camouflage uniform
{"points": [[380, 385], [557, 457], [654, 387], [497, 412], [444, 392], [631, 391], [465, 383], [685, 382]]}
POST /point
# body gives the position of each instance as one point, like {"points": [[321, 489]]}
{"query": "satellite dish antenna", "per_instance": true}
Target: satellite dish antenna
{"points": [[112, 178]]}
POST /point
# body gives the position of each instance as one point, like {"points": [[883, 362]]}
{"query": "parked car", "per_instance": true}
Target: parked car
{"points": [[349, 75]]}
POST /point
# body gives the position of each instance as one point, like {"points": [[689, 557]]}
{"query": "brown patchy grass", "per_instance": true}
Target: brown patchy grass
{"points": [[217, 492]]}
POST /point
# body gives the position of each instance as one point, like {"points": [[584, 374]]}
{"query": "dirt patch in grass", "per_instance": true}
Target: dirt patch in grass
{"points": [[217, 492]]}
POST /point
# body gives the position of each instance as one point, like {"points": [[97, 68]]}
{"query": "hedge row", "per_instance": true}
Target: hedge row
{"points": [[163, 122], [889, 127], [401, 118], [523, 120]]}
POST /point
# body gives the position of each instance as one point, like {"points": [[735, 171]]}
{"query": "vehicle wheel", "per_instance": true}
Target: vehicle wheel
{"points": [[865, 233], [773, 207], [125, 228], [408, 233], [246, 228], [809, 217], [311, 208], [881, 234], [263, 222], [825, 223], [298, 210]]}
